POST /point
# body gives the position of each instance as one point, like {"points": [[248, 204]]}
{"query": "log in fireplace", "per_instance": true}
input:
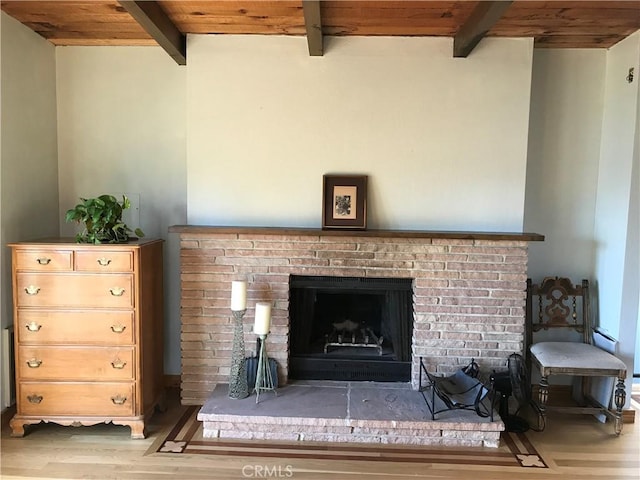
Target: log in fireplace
{"points": [[350, 328]]}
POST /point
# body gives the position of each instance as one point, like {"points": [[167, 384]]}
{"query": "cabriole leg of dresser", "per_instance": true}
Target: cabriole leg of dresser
{"points": [[17, 428], [17, 425], [138, 431]]}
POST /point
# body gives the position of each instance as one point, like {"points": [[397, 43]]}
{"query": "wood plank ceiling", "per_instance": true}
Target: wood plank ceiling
{"points": [[552, 24]]}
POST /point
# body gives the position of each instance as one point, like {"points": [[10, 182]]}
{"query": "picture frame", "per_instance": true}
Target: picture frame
{"points": [[344, 202]]}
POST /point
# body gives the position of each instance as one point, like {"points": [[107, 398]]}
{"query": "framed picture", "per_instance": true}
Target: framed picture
{"points": [[344, 202]]}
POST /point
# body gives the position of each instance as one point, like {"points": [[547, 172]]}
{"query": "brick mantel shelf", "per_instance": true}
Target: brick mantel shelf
{"points": [[468, 291]]}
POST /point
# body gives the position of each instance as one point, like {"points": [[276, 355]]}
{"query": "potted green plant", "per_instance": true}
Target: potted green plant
{"points": [[102, 218]]}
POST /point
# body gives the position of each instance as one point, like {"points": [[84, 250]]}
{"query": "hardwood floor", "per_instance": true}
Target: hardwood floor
{"points": [[574, 447]]}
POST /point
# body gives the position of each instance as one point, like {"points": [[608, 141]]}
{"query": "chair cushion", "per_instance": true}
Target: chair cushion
{"points": [[568, 357]]}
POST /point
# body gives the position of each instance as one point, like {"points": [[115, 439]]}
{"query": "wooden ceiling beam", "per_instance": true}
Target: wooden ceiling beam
{"points": [[482, 18], [313, 24], [155, 21]]}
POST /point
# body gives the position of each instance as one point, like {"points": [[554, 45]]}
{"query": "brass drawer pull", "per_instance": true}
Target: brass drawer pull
{"points": [[34, 398], [104, 262], [117, 328], [34, 363], [118, 364], [118, 399], [117, 291], [33, 327], [43, 260], [32, 290]]}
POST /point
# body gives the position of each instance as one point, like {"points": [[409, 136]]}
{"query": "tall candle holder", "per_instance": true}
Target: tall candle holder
{"points": [[264, 380], [238, 386]]}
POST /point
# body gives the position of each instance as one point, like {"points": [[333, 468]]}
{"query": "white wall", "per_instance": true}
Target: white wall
{"points": [[567, 95], [615, 179], [254, 122], [582, 179], [28, 167], [630, 309], [634, 216], [443, 140], [616, 223], [122, 129], [121, 124]]}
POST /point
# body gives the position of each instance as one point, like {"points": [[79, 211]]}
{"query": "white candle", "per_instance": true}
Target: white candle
{"points": [[238, 295], [263, 318]]}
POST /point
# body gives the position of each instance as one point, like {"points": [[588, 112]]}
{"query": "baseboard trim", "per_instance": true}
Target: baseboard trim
{"points": [[562, 394], [629, 416], [172, 381], [559, 394]]}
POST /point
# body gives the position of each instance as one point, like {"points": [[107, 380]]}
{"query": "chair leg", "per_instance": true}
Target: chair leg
{"points": [[543, 396], [620, 398]]}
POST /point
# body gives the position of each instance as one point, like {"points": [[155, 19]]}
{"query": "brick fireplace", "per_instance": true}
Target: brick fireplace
{"points": [[468, 291]]}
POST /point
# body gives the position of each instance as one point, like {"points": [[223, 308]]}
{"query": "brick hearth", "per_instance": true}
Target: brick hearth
{"points": [[355, 412], [468, 291]]}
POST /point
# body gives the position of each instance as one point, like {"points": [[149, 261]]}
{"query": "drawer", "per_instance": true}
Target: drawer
{"points": [[74, 290], [75, 363], [75, 399], [44, 260], [101, 261], [75, 327]]}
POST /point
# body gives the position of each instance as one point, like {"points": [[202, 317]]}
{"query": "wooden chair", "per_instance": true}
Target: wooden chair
{"points": [[557, 303]]}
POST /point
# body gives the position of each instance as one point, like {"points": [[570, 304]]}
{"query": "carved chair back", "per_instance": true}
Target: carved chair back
{"points": [[557, 303]]}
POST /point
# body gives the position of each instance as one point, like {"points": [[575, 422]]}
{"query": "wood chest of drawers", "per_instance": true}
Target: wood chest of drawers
{"points": [[89, 333]]}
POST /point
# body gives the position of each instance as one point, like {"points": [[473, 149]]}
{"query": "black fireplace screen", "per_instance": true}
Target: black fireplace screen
{"points": [[345, 323]]}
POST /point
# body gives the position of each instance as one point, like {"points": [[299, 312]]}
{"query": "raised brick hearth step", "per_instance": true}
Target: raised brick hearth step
{"points": [[362, 412]]}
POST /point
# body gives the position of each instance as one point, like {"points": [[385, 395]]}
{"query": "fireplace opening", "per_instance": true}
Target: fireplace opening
{"points": [[350, 328]]}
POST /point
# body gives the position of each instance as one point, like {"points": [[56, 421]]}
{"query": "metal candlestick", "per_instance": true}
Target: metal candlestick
{"points": [[238, 387], [264, 380]]}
